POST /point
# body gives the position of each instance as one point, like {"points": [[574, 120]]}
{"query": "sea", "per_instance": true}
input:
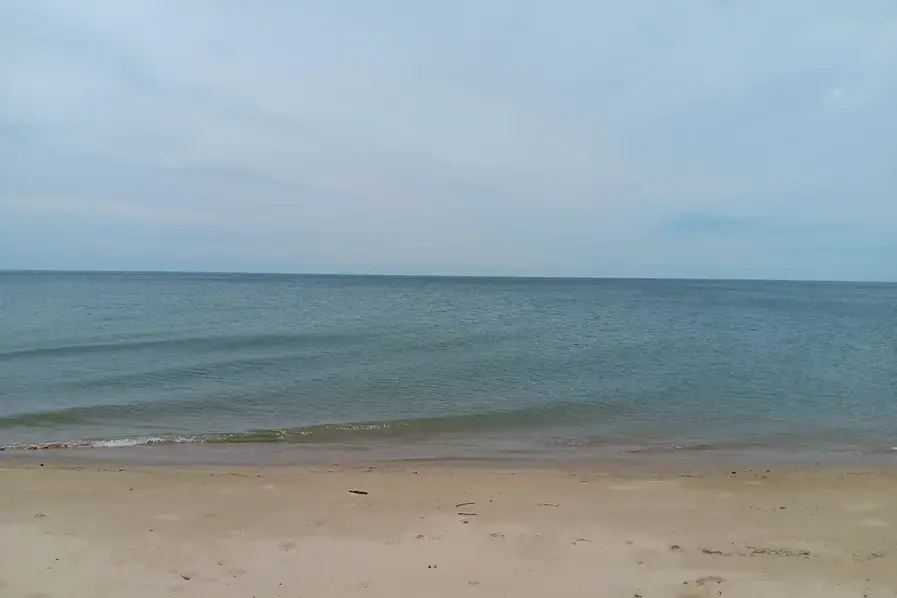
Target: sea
{"points": [[294, 367]]}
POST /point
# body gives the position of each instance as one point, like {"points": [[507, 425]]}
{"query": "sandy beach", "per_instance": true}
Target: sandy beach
{"points": [[423, 529]]}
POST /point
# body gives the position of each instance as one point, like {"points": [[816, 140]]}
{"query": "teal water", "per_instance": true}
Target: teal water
{"points": [[460, 366]]}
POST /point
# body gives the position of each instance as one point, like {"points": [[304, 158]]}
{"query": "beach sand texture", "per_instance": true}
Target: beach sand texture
{"points": [[415, 529]]}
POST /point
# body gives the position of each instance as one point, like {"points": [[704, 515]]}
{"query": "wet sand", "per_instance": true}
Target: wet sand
{"points": [[417, 529]]}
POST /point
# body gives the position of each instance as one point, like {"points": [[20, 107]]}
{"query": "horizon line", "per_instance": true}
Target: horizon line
{"points": [[433, 276]]}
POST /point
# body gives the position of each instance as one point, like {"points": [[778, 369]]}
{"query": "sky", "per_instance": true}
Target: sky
{"points": [[709, 139]]}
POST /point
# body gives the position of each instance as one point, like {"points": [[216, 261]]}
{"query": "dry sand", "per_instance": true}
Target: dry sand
{"points": [[80, 532]]}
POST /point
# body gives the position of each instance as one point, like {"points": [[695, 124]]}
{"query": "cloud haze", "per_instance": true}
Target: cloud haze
{"points": [[708, 138]]}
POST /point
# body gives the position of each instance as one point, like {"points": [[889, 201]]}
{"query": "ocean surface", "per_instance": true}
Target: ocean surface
{"points": [[305, 366]]}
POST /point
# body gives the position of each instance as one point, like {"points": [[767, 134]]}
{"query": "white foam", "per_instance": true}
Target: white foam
{"points": [[140, 441], [118, 442], [107, 443]]}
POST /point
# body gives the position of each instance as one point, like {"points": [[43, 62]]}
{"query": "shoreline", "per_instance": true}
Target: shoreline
{"points": [[386, 529], [290, 454], [610, 468]]}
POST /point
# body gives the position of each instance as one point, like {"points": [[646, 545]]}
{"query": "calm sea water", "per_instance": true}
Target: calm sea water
{"points": [[443, 366]]}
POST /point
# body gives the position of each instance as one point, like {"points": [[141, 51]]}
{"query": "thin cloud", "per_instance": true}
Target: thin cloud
{"points": [[496, 137]]}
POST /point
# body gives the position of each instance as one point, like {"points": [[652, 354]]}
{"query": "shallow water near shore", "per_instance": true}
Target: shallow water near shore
{"points": [[300, 368]]}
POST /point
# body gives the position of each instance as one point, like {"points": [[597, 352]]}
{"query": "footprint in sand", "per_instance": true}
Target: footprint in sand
{"points": [[703, 587]]}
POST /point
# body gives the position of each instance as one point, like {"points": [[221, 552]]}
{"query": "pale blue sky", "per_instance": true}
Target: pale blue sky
{"points": [[697, 139]]}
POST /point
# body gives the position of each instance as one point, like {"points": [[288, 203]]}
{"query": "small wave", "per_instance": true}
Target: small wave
{"points": [[424, 427], [401, 430], [195, 344], [473, 421], [646, 446], [68, 417], [882, 451], [144, 441], [125, 442]]}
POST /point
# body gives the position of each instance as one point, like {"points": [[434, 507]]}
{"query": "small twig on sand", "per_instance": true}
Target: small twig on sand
{"points": [[467, 514], [353, 491], [548, 504], [464, 504]]}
